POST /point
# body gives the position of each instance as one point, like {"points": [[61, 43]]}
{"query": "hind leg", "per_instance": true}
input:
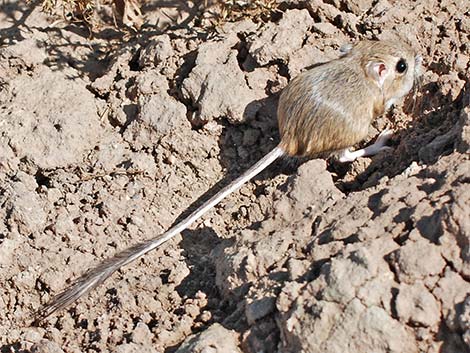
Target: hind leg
{"points": [[378, 146]]}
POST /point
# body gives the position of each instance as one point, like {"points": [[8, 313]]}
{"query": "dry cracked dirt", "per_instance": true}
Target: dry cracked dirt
{"points": [[107, 138]]}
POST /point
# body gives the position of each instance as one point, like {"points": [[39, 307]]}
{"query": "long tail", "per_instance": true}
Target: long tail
{"points": [[94, 277]]}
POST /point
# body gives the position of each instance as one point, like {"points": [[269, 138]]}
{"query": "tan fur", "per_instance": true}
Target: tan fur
{"points": [[331, 106]]}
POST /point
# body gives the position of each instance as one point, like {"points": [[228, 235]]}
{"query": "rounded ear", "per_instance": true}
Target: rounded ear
{"points": [[378, 71]]}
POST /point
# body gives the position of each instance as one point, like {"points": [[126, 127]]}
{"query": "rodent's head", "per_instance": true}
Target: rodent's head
{"points": [[392, 66]]}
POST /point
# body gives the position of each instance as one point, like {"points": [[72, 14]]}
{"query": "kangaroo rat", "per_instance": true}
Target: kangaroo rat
{"points": [[326, 109]]}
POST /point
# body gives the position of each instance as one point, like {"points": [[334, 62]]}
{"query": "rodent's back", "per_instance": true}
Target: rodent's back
{"points": [[327, 108]]}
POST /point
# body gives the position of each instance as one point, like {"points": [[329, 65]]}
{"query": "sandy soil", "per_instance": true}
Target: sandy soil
{"points": [[106, 140]]}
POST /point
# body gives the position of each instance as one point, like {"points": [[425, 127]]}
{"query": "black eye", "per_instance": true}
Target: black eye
{"points": [[401, 66]]}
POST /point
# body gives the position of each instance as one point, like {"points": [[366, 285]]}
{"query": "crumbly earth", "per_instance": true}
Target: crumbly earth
{"points": [[106, 139]]}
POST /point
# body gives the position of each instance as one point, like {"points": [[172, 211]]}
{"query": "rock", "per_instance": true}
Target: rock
{"points": [[160, 115], [297, 268], [156, 52], [326, 28], [25, 210], [305, 192], [142, 334], [151, 82], [464, 320], [215, 339], [437, 147], [455, 224], [451, 290], [359, 7], [279, 41], [417, 260], [7, 250], [46, 346], [134, 348], [416, 305], [55, 126], [323, 326], [214, 93], [179, 273], [258, 309], [463, 143], [341, 278]]}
